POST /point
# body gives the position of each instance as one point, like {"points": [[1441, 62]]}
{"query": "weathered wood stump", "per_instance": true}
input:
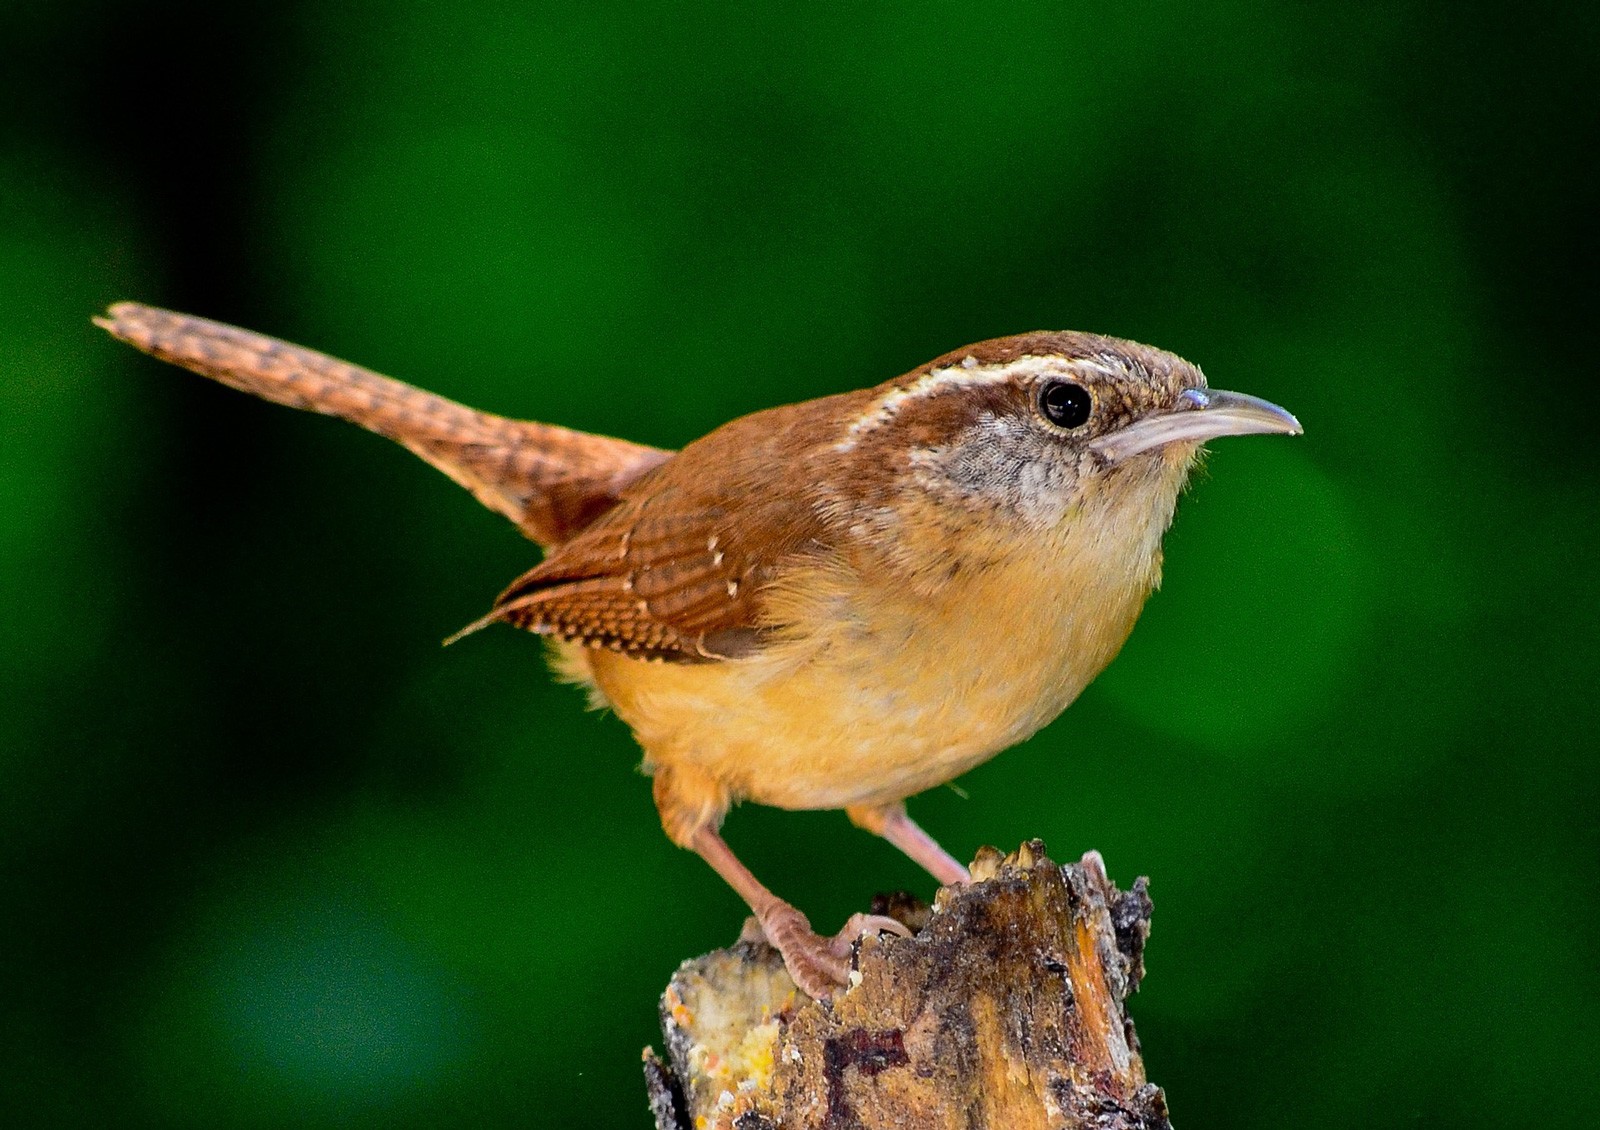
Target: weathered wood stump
{"points": [[1005, 1011]]}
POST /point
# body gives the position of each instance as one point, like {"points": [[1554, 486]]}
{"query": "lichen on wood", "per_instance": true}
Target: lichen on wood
{"points": [[1005, 1010]]}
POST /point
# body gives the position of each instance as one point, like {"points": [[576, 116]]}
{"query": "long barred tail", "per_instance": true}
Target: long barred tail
{"points": [[550, 481]]}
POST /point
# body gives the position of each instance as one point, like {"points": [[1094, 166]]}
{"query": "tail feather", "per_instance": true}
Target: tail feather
{"points": [[550, 481]]}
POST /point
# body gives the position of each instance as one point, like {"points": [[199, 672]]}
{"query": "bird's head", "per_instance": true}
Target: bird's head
{"points": [[1036, 428]]}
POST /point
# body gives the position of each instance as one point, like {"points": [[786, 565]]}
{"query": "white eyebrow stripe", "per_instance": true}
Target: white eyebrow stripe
{"points": [[966, 372]]}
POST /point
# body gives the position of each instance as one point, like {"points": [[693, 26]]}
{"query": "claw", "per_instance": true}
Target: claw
{"points": [[810, 960], [857, 925], [820, 966]]}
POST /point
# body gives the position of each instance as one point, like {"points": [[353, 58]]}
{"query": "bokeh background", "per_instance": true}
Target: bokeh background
{"points": [[269, 856]]}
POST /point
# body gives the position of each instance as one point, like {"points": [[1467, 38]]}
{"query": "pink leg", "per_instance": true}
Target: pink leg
{"points": [[818, 965], [891, 822]]}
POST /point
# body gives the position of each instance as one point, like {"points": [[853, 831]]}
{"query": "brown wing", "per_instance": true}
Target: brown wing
{"points": [[679, 568], [550, 481]]}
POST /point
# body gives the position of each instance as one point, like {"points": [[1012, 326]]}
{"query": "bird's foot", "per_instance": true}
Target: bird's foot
{"points": [[859, 925], [820, 966]]}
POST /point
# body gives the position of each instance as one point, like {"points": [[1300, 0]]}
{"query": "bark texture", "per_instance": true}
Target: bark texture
{"points": [[1005, 1011]]}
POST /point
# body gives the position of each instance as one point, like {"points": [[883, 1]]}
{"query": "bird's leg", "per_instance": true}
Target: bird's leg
{"points": [[692, 804], [891, 822], [819, 966]]}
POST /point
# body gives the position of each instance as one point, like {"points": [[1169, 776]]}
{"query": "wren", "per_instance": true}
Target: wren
{"points": [[832, 604]]}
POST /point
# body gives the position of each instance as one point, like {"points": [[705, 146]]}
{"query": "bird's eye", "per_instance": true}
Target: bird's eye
{"points": [[1065, 404]]}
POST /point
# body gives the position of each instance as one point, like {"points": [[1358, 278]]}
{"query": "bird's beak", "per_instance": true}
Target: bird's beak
{"points": [[1201, 414]]}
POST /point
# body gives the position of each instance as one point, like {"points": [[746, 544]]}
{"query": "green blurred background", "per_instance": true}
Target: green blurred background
{"points": [[270, 856]]}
